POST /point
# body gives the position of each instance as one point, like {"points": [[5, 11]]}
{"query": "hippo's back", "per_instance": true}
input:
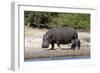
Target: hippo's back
{"points": [[64, 35]]}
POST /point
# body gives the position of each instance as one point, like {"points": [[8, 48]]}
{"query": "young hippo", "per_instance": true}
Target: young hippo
{"points": [[75, 44]]}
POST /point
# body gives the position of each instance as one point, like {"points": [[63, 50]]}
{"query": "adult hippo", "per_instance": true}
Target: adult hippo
{"points": [[59, 36]]}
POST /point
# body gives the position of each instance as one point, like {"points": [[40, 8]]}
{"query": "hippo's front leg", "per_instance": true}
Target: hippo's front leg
{"points": [[52, 46]]}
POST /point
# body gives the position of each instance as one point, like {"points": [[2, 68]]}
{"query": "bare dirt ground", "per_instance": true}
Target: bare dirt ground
{"points": [[33, 49]]}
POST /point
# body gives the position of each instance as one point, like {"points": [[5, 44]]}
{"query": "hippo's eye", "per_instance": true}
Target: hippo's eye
{"points": [[46, 38], [43, 38]]}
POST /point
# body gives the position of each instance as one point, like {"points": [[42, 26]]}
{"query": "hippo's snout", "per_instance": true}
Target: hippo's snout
{"points": [[45, 45]]}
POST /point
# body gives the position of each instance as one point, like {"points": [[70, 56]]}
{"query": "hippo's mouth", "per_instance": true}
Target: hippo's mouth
{"points": [[45, 46]]}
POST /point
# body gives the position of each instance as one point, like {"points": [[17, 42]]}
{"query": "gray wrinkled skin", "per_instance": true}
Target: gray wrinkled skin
{"points": [[59, 36]]}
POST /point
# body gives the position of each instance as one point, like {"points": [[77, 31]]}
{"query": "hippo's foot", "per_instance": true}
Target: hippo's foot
{"points": [[52, 49], [73, 48]]}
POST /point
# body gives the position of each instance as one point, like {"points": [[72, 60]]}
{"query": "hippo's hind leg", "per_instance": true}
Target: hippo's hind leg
{"points": [[73, 46], [79, 45], [58, 44]]}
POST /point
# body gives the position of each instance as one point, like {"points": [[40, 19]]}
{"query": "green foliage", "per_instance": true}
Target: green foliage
{"points": [[54, 19]]}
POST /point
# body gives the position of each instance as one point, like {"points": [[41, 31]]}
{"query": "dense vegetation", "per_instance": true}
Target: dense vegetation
{"points": [[54, 19]]}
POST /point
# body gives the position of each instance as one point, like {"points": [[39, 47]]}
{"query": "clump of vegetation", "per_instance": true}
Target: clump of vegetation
{"points": [[55, 19]]}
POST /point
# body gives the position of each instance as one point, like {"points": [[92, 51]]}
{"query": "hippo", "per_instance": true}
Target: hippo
{"points": [[75, 44], [59, 35]]}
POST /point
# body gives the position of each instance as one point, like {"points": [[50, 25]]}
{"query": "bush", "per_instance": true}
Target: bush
{"points": [[53, 19]]}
